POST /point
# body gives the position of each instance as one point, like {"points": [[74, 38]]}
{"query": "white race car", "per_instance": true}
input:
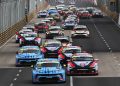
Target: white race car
{"points": [[69, 24], [80, 31], [18, 34], [82, 63]]}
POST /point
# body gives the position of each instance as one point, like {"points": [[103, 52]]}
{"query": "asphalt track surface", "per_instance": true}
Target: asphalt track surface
{"points": [[104, 43]]}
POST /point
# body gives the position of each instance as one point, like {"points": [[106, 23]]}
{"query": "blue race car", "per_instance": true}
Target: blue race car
{"points": [[28, 55], [48, 70], [52, 10]]}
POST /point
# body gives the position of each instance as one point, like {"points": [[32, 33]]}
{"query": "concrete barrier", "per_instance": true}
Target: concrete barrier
{"points": [[113, 15], [4, 36]]}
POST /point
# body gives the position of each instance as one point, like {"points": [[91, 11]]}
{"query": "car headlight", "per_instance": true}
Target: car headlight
{"points": [[87, 32]]}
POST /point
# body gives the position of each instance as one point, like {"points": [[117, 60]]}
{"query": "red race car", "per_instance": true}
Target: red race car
{"points": [[30, 38], [82, 63], [84, 14], [66, 53], [41, 27]]}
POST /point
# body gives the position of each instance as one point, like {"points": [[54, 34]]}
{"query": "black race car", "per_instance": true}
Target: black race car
{"points": [[51, 48]]}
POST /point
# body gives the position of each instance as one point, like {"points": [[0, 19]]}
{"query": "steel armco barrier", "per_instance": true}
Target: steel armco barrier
{"points": [[13, 16]]}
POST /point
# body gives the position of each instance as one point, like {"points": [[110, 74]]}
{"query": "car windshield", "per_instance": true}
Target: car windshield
{"points": [[30, 35], [48, 65], [53, 45], [42, 12], [72, 51], [63, 40], [54, 29], [36, 51], [82, 59], [69, 22], [80, 28]]}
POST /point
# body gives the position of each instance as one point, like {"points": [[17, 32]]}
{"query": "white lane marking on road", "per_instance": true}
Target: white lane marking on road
{"points": [[102, 37], [20, 70], [6, 42], [17, 74], [11, 84], [15, 79], [71, 81]]}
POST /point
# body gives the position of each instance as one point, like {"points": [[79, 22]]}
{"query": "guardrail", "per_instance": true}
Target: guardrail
{"points": [[109, 7], [9, 32], [113, 15]]}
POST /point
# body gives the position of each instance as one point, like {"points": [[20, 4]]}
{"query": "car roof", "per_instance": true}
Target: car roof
{"points": [[41, 22], [72, 47], [82, 55], [84, 11], [52, 27], [31, 33], [49, 18], [67, 20], [25, 29], [80, 26]]}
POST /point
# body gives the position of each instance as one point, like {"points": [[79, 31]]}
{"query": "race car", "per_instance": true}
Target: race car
{"points": [[52, 10], [82, 63], [65, 40], [97, 14], [69, 24], [42, 14], [66, 53], [80, 31], [85, 14], [54, 31], [74, 17], [41, 27], [50, 48], [30, 38], [18, 34], [28, 55], [60, 6], [63, 11], [74, 9], [48, 70], [56, 16], [66, 14], [52, 21], [80, 10], [47, 21]]}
